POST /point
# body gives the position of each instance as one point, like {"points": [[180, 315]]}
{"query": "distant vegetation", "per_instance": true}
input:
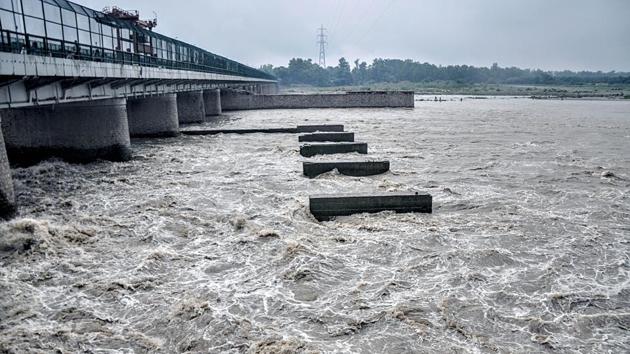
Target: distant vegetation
{"points": [[305, 72]]}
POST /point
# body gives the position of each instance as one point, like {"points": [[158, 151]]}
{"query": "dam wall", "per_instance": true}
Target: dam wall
{"points": [[232, 100]]}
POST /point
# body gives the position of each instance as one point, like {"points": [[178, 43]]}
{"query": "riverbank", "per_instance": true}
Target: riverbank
{"points": [[599, 91]]}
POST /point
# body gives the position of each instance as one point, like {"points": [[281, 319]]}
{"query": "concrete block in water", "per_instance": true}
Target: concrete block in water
{"points": [[309, 150], [154, 116], [76, 132], [320, 128], [349, 168], [239, 131], [190, 107], [212, 102], [7, 195], [332, 136], [325, 207]]}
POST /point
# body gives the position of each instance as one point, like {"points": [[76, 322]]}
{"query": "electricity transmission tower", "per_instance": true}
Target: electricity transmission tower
{"points": [[321, 40]]}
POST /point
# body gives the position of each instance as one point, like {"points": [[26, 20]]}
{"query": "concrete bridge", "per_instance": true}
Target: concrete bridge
{"points": [[77, 83]]}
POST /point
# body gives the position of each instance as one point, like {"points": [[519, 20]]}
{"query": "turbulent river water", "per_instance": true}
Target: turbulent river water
{"points": [[206, 244]]}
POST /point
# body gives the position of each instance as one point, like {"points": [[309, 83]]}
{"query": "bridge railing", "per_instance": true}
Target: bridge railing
{"points": [[62, 29]]}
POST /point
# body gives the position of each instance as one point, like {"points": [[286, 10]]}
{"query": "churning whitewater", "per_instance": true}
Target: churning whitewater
{"points": [[206, 243]]}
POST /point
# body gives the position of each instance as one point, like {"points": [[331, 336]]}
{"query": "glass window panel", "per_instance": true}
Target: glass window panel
{"points": [[125, 33], [107, 30], [97, 40], [95, 26], [52, 13], [69, 18], [33, 8], [34, 26], [108, 42], [6, 4], [54, 30], [84, 37], [70, 34], [7, 20], [83, 22]]}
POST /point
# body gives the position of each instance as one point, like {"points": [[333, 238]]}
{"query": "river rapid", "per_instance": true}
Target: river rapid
{"points": [[206, 244]]}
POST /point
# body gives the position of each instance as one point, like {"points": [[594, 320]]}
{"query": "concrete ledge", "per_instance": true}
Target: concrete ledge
{"points": [[320, 128], [310, 150], [298, 129], [326, 207], [238, 100], [324, 137], [354, 168]]}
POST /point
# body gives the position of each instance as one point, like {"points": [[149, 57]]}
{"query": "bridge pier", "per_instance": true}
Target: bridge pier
{"points": [[7, 195], [212, 102], [75, 132], [190, 107], [154, 116]]}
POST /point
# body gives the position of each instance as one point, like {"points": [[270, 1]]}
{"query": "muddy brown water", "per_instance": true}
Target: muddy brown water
{"points": [[205, 244]]}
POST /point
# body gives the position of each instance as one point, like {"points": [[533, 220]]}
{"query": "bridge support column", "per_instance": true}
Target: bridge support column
{"points": [[75, 132], [212, 102], [7, 196], [190, 107], [154, 116]]}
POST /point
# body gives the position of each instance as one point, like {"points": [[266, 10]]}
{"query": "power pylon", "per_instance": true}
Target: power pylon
{"points": [[321, 40]]}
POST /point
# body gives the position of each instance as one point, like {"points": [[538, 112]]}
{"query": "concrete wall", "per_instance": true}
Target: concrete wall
{"points": [[154, 116], [238, 100], [76, 132], [190, 107], [7, 196], [212, 102]]}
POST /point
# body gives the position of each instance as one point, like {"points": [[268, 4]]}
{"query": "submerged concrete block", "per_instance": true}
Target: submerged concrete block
{"points": [[320, 128], [309, 150], [154, 116], [326, 207], [212, 102], [349, 168], [75, 132], [240, 131], [332, 137], [190, 107], [7, 195]]}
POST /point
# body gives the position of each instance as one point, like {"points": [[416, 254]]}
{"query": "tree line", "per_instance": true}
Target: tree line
{"points": [[305, 71]]}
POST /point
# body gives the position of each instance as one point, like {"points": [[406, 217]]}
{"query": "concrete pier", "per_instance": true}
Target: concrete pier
{"points": [[76, 132], [212, 102], [7, 196], [310, 150], [348, 168], [190, 107], [326, 207], [154, 116], [242, 100], [327, 137]]}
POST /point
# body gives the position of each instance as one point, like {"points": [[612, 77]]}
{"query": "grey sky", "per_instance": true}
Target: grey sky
{"points": [[547, 34]]}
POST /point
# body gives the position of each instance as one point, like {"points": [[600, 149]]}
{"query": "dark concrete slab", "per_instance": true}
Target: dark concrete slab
{"points": [[348, 168], [326, 207], [309, 150], [240, 131], [331, 137], [320, 128]]}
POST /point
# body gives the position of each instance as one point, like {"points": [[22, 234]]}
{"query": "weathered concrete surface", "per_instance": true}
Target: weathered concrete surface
{"points": [[7, 195], [212, 102], [76, 132], [331, 137], [298, 129], [154, 116], [325, 207], [348, 168], [190, 107], [240, 100], [309, 150], [320, 128]]}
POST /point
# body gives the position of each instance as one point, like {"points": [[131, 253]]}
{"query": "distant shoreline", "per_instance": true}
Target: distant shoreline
{"points": [[542, 92]]}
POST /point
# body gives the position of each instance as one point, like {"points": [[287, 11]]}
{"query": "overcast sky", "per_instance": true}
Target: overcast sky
{"points": [[546, 34]]}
